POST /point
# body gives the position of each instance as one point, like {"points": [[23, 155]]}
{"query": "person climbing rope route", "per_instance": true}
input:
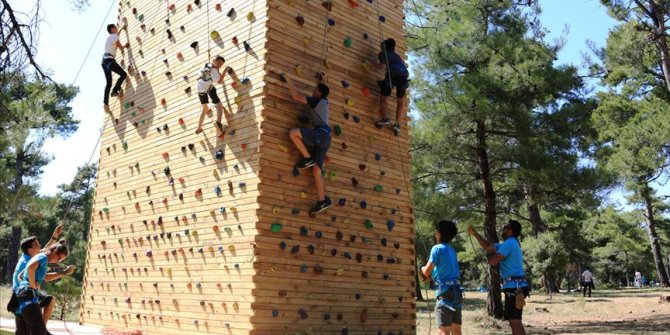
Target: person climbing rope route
{"points": [[110, 65], [508, 254], [396, 76], [209, 76], [317, 139], [443, 267]]}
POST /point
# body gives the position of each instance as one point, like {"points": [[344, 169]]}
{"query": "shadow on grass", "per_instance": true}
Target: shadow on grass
{"points": [[657, 324]]}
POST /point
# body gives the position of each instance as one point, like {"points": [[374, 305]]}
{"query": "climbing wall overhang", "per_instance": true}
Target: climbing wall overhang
{"points": [[210, 233]]}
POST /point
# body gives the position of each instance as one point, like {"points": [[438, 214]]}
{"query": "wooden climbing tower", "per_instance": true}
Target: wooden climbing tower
{"points": [[209, 234]]}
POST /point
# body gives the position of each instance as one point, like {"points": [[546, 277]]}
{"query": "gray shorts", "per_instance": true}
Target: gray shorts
{"points": [[445, 316]]}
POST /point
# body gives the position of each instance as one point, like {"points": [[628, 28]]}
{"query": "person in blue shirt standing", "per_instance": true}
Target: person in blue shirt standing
{"points": [[443, 268], [30, 247], [29, 318], [510, 257]]}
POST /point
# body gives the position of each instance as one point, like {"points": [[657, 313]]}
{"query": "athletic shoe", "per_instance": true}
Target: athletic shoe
{"points": [[320, 206], [383, 122], [117, 93], [220, 126], [305, 163]]}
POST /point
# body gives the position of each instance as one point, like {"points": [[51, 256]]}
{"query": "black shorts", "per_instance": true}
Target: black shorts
{"points": [[212, 94], [317, 141], [400, 82], [511, 312], [445, 317]]}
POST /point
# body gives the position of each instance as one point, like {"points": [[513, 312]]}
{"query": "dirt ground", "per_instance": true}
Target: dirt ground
{"points": [[629, 311]]}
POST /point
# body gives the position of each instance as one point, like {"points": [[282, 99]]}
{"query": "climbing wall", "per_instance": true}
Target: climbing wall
{"points": [[211, 233]]}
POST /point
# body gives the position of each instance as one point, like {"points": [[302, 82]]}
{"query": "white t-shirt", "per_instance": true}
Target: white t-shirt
{"points": [[110, 45], [638, 275], [211, 75], [588, 276]]}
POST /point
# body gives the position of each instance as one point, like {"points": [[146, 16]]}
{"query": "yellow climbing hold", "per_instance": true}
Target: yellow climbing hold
{"points": [[298, 70], [332, 175], [372, 139], [303, 195], [275, 209], [282, 148], [215, 35], [233, 209], [251, 16], [327, 64], [350, 102], [273, 268], [306, 41], [339, 272], [231, 248]]}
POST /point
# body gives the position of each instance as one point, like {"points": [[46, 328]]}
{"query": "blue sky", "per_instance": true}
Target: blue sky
{"points": [[66, 36]]}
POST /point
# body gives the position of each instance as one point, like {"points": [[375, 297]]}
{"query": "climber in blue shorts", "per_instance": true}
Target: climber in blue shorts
{"points": [[313, 143], [443, 267]]}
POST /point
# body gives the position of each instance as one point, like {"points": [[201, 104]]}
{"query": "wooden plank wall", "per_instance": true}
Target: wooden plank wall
{"points": [[335, 275], [198, 278]]}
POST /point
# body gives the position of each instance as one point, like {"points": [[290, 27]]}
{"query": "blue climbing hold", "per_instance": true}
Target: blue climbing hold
{"points": [[331, 22], [342, 201], [282, 245], [303, 230], [384, 242], [357, 119], [222, 210], [219, 154], [217, 190], [345, 84], [275, 313], [382, 18], [303, 268], [390, 224], [364, 204], [295, 211], [318, 234], [296, 172], [393, 211], [378, 157]]}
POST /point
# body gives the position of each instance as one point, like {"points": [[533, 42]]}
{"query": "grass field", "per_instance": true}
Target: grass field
{"points": [[606, 312]]}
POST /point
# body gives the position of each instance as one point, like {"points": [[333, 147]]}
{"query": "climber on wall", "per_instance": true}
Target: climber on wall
{"points": [[313, 143], [396, 76], [209, 76], [110, 65]]}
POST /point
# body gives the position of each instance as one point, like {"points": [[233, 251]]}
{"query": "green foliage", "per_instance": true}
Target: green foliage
{"points": [[546, 254]]}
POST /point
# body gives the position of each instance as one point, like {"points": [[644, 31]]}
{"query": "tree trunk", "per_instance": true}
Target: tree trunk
{"points": [[658, 17], [417, 287], [494, 301], [536, 222], [12, 254], [653, 236]]}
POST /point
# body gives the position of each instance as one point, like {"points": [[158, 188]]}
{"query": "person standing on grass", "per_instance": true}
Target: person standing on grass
{"points": [[443, 268], [29, 317], [510, 257], [638, 279], [587, 277], [313, 143], [30, 247], [110, 65]]}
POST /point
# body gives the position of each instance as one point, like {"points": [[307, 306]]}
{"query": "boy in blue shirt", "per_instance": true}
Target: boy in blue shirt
{"points": [[508, 254], [443, 268]]}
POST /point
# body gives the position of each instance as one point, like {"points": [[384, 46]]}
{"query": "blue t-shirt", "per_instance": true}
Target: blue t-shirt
{"points": [[20, 266], [512, 264], [40, 272], [319, 108], [443, 256]]}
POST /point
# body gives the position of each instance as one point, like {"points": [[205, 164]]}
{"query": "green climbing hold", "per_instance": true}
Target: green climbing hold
{"points": [[348, 42], [276, 227], [338, 130], [106, 210], [126, 105], [378, 188], [368, 224], [141, 17], [125, 145], [141, 53], [133, 113]]}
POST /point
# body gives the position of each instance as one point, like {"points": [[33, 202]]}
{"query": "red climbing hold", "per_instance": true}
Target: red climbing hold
{"points": [[353, 3], [166, 156], [181, 121], [198, 193], [366, 92]]}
